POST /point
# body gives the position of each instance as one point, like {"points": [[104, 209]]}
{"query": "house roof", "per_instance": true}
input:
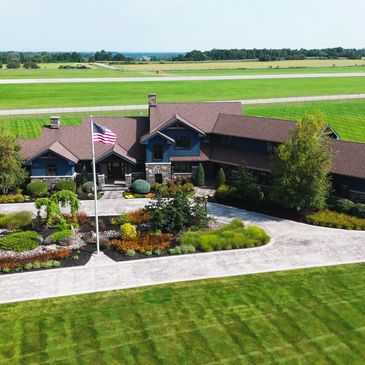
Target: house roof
{"points": [[201, 115], [271, 130], [77, 139], [203, 156], [348, 158]]}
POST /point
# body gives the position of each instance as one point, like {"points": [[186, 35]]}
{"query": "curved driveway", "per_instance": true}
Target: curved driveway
{"points": [[294, 245]]}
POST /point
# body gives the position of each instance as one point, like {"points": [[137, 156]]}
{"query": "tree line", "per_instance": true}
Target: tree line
{"points": [[271, 54]]}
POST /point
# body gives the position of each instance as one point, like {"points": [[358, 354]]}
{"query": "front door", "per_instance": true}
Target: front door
{"points": [[115, 170]]}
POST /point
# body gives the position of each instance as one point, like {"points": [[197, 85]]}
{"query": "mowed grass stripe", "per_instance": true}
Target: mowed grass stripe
{"points": [[306, 316], [94, 94]]}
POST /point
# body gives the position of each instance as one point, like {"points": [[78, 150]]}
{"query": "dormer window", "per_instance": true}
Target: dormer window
{"points": [[182, 142], [158, 152]]}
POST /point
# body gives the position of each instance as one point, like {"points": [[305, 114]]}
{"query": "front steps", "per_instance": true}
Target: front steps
{"points": [[116, 186]]}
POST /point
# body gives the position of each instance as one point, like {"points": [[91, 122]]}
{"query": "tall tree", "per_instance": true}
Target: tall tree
{"points": [[12, 173], [301, 167]]}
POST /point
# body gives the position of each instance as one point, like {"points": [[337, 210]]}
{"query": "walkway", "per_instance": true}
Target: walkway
{"points": [[142, 107], [294, 245], [180, 78]]}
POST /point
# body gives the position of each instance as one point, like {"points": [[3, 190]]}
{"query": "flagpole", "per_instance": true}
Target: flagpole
{"points": [[95, 190]]}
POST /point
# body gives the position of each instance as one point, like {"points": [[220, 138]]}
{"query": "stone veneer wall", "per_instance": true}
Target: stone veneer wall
{"points": [[158, 168], [52, 180]]}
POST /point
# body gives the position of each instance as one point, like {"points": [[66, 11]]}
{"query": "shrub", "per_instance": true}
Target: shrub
{"points": [[232, 235], [120, 220], [128, 231], [344, 206], [141, 187], [187, 249], [224, 191], [157, 252], [88, 187], [61, 236], [139, 216], [20, 241], [12, 198], [147, 253], [16, 220], [82, 217], [56, 263], [358, 210], [37, 188], [130, 253], [329, 218], [221, 177], [172, 188], [200, 176], [65, 185]]}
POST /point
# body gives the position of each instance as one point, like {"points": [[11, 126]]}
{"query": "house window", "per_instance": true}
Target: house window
{"points": [[157, 152], [182, 142], [226, 140], [272, 148], [51, 169], [182, 166]]}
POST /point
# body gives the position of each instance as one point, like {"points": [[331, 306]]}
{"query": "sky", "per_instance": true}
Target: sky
{"points": [[179, 25]]}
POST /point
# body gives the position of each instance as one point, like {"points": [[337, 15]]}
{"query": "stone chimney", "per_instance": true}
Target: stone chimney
{"points": [[55, 122], [152, 100]]}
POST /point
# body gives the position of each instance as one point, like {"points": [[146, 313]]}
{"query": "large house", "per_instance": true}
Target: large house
{"points": [[173, 140]]}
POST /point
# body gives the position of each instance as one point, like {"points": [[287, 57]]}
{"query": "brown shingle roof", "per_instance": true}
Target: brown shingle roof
{"points": [[348, 158], [235, 157], [272, 130], [77, 139], [203, 156], [201, 115]]}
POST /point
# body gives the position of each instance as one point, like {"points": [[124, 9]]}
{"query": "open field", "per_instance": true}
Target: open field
{"points": [[231, 65], [347, 117], [50, 70], [313, 316], [91, 94]]}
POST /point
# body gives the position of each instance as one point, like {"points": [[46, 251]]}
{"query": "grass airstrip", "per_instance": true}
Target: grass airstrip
{"points": [[313, 316], [93, 94]]}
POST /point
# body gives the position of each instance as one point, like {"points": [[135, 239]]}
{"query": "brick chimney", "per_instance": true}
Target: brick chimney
{"points": [[152, 100], [55, 122]]}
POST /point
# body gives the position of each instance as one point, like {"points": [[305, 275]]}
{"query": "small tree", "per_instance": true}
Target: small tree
{"points": [[246, 188], [200, 176], [84, 177], [12, 173], [13, 65], [221, 177], [301, 168]]}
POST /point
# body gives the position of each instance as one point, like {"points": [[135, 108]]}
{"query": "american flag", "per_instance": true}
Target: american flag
{"points": [[103, 135]]}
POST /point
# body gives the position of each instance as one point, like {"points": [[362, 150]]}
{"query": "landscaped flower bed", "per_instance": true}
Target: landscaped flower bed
{"points": [[329, 218]]}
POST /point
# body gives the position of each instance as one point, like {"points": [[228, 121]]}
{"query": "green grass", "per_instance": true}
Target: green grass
{"points": [[347, 117], [314, 316], [91, 94]]}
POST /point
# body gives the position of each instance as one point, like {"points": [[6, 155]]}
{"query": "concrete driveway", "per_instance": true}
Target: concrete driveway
{"points": [[294, 245]]}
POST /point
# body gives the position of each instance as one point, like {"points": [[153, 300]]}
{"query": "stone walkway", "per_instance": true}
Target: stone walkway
{"points": [[294, 245]]}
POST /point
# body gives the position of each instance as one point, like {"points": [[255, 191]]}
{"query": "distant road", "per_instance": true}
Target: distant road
{"points": [[180, 78], [90, 109]]}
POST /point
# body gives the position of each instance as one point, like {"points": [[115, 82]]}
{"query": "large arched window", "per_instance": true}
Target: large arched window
{"points": [[157, 152]]}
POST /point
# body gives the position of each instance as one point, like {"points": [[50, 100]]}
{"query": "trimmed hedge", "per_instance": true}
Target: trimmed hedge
{"points": [[141, 187], [12, 198], [65, 185], [20, 241], [16, 220], [37, 188], [329, 218], [348, 207], [231, 236]]}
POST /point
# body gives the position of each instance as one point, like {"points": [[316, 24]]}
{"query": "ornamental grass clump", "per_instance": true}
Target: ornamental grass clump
{"points": [[329, 218], [231, 236]]}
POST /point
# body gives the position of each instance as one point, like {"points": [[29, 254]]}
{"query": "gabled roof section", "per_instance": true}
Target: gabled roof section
{"points": [[330, 132], [59, 149], [148, 136], [117, 150], [202, 115], [167, 123], [265, 129]]}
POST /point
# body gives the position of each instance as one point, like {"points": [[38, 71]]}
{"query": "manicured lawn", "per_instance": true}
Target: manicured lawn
{"points": [[92, 94], [312, 316], [347, 117]]}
